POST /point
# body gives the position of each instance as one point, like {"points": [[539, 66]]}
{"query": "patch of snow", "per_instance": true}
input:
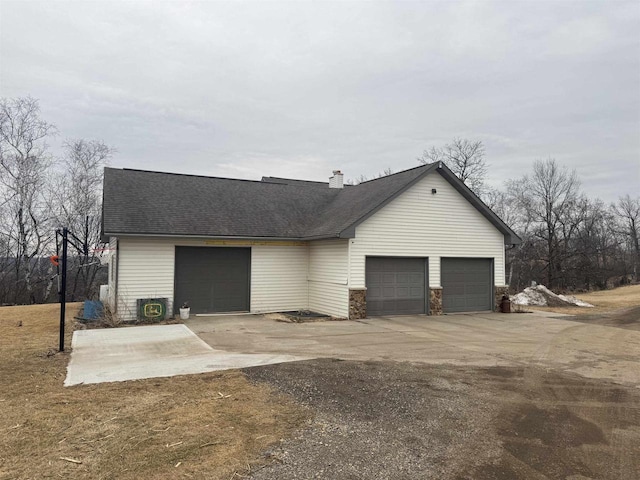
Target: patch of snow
{"points": [[529, 297], [543, 289], [540, 295], [576, 301]]}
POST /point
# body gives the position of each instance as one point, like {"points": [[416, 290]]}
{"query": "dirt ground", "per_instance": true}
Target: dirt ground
{"points": [[198, 426], [604, 301], [388, 420], [619, 307], [628, 318]]}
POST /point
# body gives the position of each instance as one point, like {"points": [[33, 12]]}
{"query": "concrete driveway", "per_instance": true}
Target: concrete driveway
{"points": [[131, 353], [485, 339]]}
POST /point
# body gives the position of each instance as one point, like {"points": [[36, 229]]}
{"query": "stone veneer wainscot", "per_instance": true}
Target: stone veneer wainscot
{"points": [[357, 303]]}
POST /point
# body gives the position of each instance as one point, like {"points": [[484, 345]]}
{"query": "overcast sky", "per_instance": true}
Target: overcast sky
{"points": [[297, 89]]}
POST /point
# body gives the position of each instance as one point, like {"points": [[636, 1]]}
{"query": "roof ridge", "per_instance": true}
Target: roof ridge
{"points": [[289, 181], [294, 179], [396, 173], [262, 180], [193, 175]]}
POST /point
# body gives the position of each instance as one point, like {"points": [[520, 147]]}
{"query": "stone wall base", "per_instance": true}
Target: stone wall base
{"points": [[500, 291], [435, 301], [357, 303]]}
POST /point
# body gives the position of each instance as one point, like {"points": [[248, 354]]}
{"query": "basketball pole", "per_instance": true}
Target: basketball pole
{"points": [[81, 247], [63, 286]]}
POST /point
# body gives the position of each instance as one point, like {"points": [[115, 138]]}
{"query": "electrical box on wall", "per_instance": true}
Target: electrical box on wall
{"points": [[151, 309]]}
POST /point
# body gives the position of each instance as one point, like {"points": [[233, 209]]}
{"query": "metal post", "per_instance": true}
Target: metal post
{"points": [[63, 288]]}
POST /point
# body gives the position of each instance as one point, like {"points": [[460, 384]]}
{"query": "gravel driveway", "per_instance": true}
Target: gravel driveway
{"points": [[391, 420], [477, 396]]}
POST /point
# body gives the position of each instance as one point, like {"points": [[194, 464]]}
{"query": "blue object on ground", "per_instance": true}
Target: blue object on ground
{"points": [[93, 309]]}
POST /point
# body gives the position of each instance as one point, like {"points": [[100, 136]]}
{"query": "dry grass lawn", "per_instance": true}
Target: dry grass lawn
{"points": [[197, 426], [604, 301]]}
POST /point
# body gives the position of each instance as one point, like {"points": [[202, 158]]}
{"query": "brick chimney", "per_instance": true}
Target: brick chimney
{"points": [[336, 181]]}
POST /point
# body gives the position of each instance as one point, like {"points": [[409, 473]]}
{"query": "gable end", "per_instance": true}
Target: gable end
{"points": [[510, 237]]}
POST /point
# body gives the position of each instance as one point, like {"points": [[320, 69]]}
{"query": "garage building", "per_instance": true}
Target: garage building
{"points": [[415, 242]]}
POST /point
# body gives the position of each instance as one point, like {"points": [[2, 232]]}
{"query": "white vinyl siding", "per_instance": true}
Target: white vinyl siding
{"points": [[279, 278], [328, 277], [421, 224], [146, 270]]}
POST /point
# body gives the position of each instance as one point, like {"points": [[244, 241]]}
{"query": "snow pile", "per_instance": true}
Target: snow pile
{"points": [[530, 296], [575, 301], [543, 297]]}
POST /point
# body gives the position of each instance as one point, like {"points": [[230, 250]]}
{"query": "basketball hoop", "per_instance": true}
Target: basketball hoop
{"points": [[103, 254]]}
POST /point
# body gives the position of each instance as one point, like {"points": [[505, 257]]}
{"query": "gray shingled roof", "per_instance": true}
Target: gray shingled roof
{"points": [[138, 202]]}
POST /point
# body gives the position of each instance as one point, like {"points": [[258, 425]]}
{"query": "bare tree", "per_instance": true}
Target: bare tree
{"points": [[505, 205], [569, 241], [466, 160], [24, 160], [38, 195], [548, 199], [77, 201], [627, 209]]}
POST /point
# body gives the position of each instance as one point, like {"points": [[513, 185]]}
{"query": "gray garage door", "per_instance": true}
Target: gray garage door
{"points": [[212, 279], [395, 286], [466, 284]]}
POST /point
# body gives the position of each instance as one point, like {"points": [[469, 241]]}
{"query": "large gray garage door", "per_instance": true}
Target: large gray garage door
{"points": [[212, 279], [466, 284], [395, 286]]}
